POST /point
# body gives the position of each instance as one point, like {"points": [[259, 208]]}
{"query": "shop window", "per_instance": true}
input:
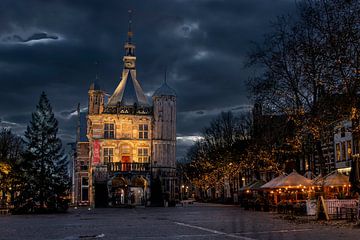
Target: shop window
{"points": [[343, 151], [338, 152], [349, 149]]}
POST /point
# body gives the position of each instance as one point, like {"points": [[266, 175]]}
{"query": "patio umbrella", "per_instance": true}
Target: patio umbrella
{"points": [[293, 180], [336, 179], [272, 183], [355, 175], [253, 185], [247, 187]]}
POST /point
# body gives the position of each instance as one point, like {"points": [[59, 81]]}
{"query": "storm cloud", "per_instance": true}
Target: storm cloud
{"points": [[53, 46]]}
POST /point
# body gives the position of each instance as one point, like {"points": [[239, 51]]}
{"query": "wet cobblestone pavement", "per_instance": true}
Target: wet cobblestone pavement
{"points": [[199, 221]]}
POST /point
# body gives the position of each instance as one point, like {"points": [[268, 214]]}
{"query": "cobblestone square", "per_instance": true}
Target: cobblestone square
{"points": [[198, 221]]}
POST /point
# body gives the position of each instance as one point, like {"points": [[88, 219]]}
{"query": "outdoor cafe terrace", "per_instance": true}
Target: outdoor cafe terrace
{"points": [[328, 197]]}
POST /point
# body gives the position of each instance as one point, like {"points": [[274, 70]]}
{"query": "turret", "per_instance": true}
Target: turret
{"points": [[96, 99], [164, 100], [164, 131]]}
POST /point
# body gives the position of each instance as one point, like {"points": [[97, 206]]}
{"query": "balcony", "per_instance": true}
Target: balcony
{"points": [[128, 167]]}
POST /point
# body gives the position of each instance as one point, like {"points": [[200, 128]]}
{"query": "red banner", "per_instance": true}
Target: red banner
{"points": [[96, 152]]}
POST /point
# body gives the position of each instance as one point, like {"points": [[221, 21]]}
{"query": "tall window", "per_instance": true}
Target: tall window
{"points": [[349, 149], [84, 189], [109, 130], [338, 152], [143, 155], [143, 131], [108, 155], [343, 151]]}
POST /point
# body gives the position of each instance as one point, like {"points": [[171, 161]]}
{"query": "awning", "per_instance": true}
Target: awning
{"points": [[253, 185], [293, 180], [336, 179], [272, 183]]}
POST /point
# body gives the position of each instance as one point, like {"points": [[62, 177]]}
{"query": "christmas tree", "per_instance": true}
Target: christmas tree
{"points": [[47, 179]]}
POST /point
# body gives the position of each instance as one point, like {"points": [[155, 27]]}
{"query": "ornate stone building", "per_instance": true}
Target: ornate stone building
{"points": [[128, 154]]}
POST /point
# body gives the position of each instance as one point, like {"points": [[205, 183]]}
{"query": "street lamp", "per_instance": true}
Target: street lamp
{"points": [[182, 191]]}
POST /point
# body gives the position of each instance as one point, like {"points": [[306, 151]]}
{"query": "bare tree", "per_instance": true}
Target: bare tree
{"points": [[310, 65]]}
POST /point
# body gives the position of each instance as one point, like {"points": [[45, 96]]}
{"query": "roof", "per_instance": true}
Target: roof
{"points": [[272, 183], [253, 185], [129, 91], [164, 90], [335, 179], [293, 180]]}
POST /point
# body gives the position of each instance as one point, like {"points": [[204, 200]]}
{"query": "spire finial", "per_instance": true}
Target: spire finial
{"points": [[165, 73], [130, 33]]}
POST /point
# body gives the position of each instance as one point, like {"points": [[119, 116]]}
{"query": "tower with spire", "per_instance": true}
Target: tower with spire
{"points": [[131, 142], [164, 138]]}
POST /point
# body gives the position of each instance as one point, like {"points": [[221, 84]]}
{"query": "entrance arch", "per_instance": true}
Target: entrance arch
{"points": [[118, 186], [138, 190]]}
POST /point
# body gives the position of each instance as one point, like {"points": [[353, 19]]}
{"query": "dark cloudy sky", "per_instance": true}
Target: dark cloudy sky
{"points": [[51, 46]]}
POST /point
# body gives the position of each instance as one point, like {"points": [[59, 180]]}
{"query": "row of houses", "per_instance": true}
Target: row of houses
{"points": [[339, 145]]}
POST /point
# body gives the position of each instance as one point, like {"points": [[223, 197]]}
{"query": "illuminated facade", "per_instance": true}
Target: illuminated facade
{"points": [[343, 145], [128, 154]]}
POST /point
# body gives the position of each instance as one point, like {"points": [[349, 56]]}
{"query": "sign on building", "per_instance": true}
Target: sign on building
{"points": [[96, 152]]}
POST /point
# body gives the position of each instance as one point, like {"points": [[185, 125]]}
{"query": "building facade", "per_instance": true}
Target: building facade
{"points": [[126, 149], [343, 145]]}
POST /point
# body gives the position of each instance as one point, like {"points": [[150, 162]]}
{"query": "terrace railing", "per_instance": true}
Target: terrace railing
{"points": [[128, 167]]}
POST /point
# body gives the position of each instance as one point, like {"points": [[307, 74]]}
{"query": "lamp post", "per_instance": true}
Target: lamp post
{"points": [[182, 192]]}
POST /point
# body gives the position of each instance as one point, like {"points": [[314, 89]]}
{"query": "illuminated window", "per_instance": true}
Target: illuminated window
{"points": [[343, 151], [338, 152], [349, 149], [143, 155], [108, 155], [109, 130], [143, 131]]}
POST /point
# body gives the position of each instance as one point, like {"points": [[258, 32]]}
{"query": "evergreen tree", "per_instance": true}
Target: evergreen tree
{"points": [[47, 178]]}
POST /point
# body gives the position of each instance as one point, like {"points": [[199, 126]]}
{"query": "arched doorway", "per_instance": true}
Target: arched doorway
{"points": [[118, 191], [138, 190]]}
